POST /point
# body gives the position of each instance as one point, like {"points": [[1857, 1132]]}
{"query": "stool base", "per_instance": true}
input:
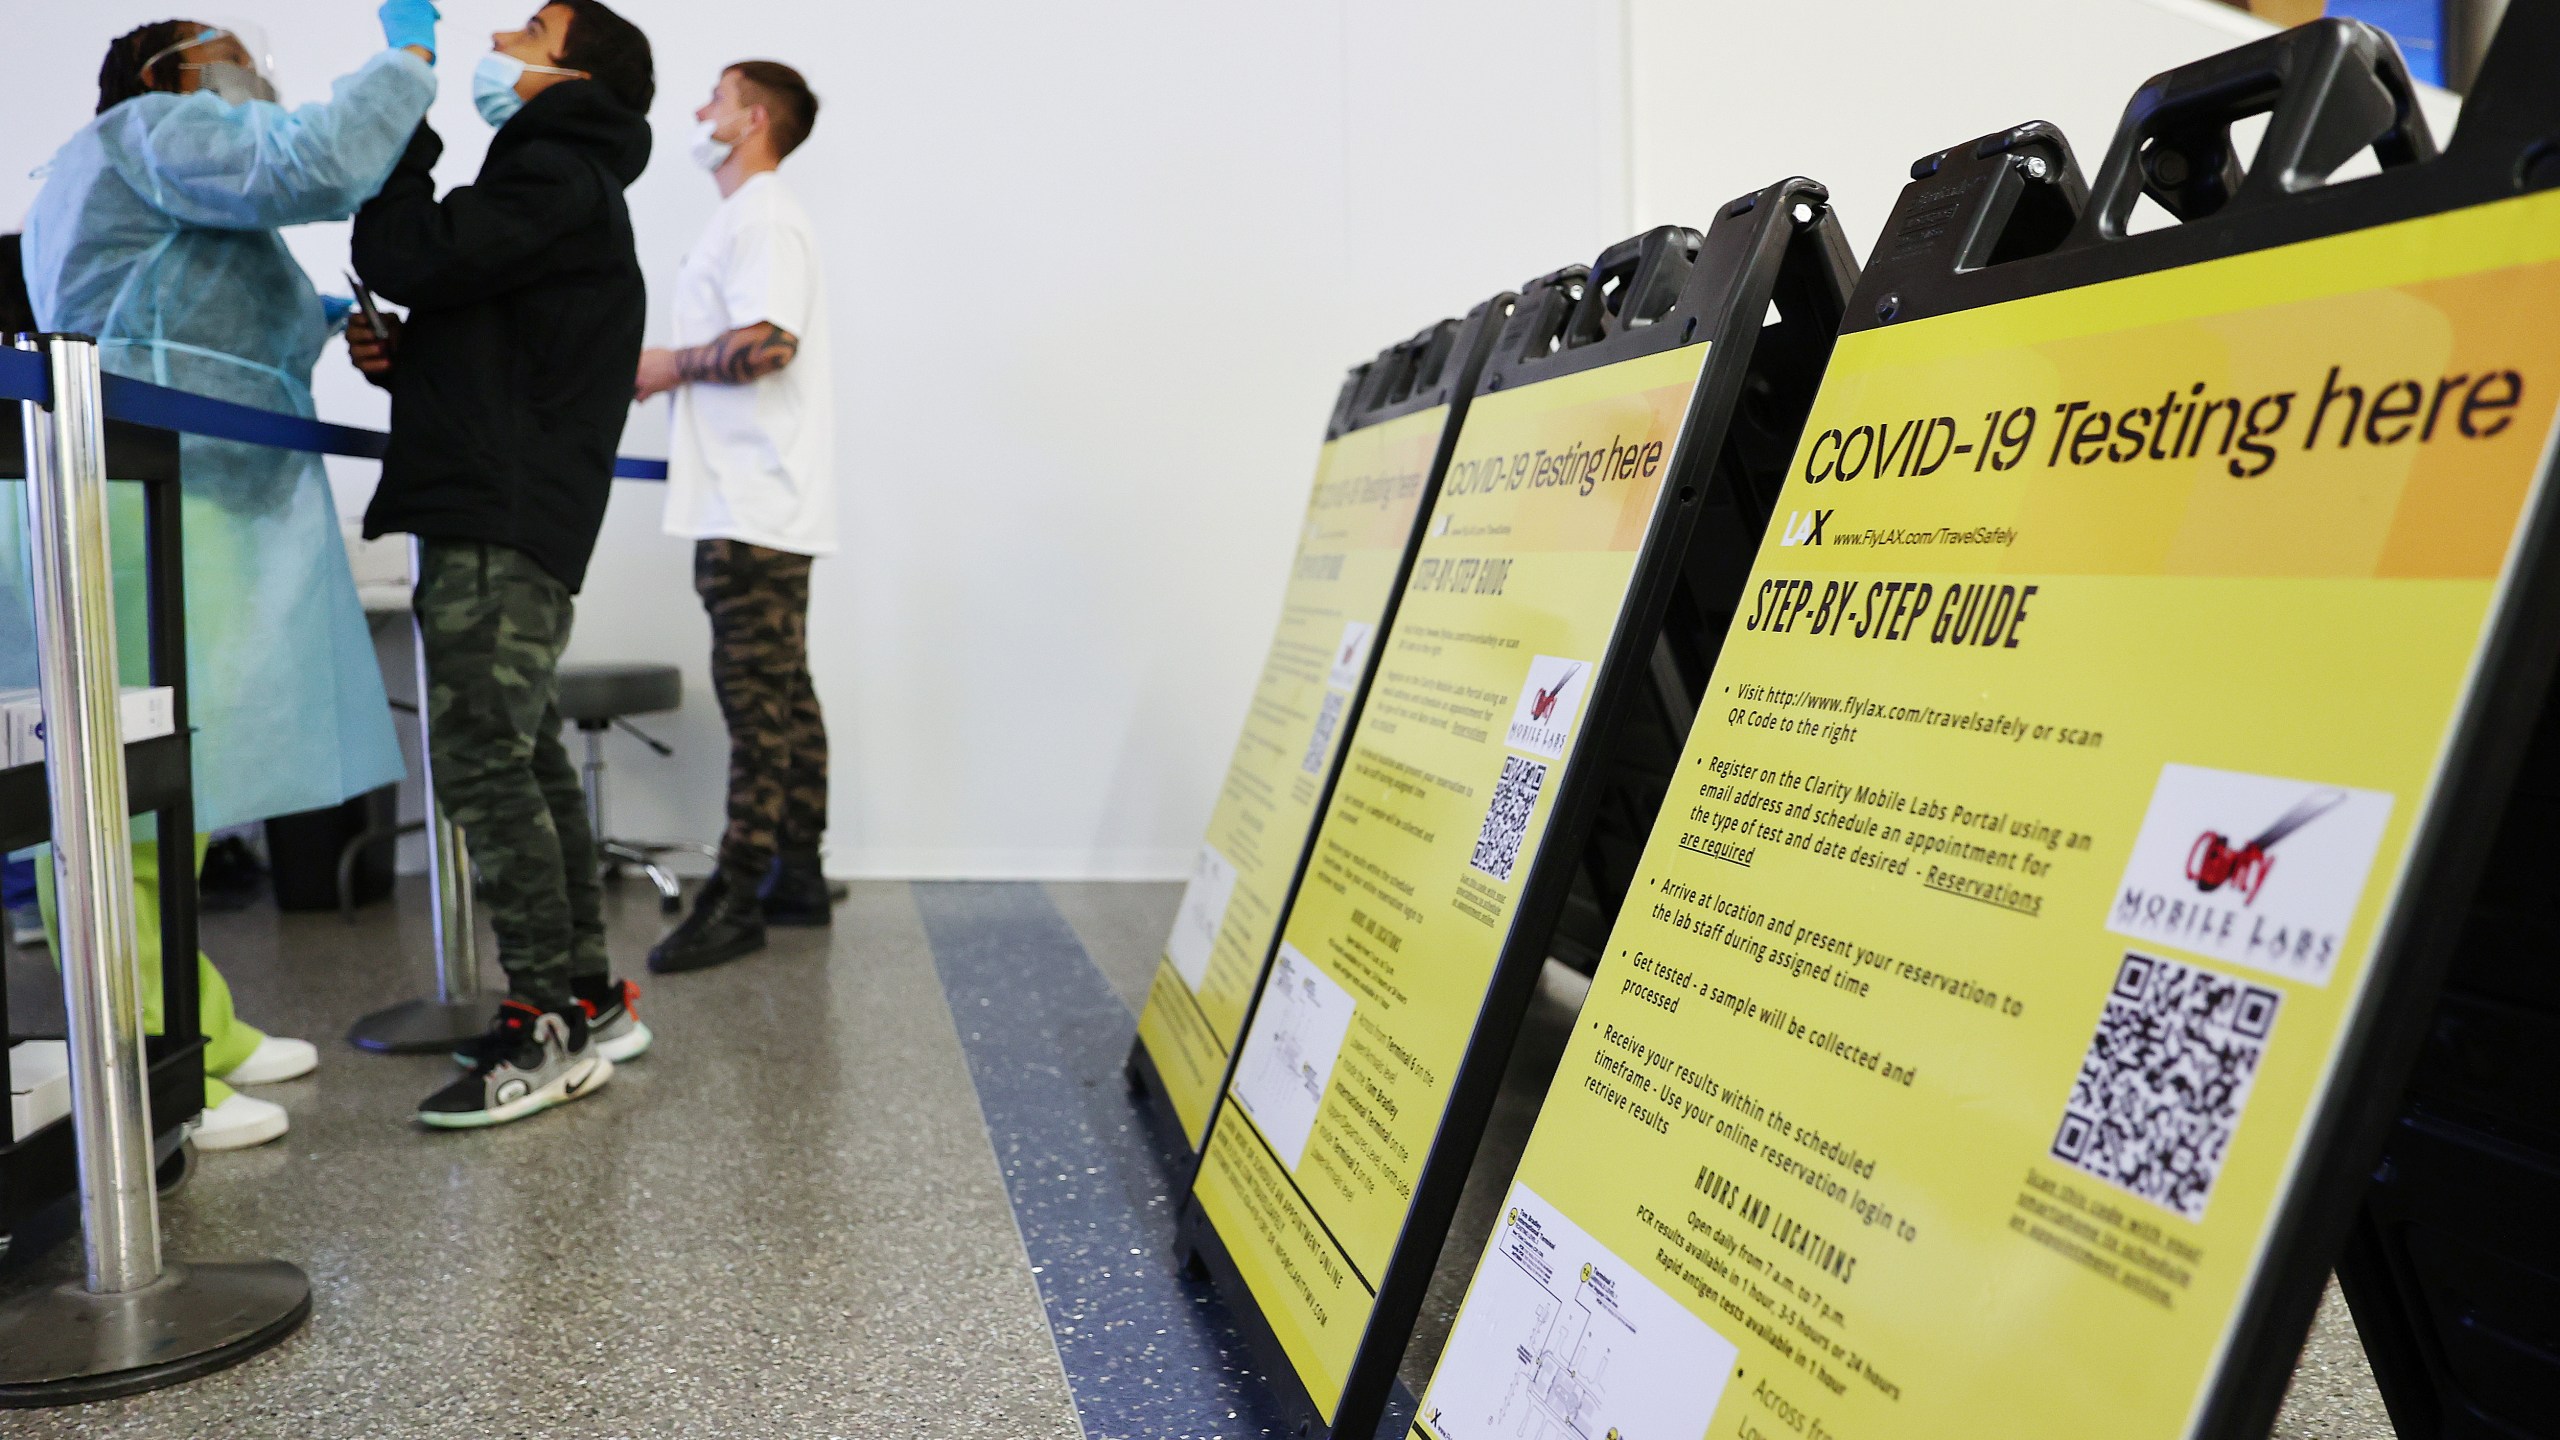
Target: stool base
{"points": [[419, 1027]]}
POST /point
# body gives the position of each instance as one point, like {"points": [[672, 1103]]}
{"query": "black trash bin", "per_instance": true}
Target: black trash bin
{"points": [[303, 851]]}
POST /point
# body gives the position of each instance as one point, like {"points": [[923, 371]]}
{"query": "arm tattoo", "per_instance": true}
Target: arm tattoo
{"points": [[744, 355]]}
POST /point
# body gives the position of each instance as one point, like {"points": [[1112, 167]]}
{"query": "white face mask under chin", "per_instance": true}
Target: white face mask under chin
{"points": [[709, 151]]}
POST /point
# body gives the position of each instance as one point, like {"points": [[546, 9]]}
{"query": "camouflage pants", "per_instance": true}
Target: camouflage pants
{"points": [[759, 604], [493, 624]]}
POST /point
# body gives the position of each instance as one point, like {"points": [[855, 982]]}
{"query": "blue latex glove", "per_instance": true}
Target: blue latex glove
{"points": [[410, 22], [334, 310]]}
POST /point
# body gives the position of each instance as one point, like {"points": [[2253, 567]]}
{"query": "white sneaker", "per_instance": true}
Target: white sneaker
{"points": [[240, 1122], [274, 1061]]}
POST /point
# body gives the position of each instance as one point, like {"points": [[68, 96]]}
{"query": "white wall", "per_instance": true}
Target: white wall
{"points": [[1100, 268], [1096, 272], [1726, 96]]}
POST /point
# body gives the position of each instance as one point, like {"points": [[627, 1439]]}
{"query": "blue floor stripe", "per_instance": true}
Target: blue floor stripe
{"points": [[1148, 1352]]}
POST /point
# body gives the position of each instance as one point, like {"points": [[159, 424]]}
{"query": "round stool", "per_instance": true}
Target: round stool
{"points": [[597, 698]]}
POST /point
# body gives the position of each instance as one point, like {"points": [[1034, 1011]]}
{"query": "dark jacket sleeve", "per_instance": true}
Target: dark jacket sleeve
{"points": [[477, 241]]}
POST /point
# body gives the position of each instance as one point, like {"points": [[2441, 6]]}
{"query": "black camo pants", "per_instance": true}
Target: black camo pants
{"points": [[493, 624], [759, 604]]}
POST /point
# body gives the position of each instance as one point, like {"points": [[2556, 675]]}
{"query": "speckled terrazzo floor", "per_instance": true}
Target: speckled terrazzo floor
{"points": [[784, 1223], [789, 1222]]}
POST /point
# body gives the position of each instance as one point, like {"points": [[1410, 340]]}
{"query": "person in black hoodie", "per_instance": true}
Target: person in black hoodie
{"points": [[510, 380]]}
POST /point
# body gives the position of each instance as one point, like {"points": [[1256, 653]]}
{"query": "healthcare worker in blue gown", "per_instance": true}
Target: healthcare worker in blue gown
{"points": [[156, 232]]}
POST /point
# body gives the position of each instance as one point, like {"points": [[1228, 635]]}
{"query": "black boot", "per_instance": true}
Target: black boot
{"points": [[797, 892], [725, 925]]}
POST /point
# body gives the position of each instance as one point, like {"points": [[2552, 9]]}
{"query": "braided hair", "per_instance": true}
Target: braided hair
{"points": [[121, 77]]}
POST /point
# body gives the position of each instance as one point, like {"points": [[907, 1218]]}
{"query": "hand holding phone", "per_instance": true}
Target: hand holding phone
{"points": [[371, 335]]}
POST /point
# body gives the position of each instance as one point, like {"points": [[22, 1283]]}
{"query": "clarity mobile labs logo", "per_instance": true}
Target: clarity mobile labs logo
{"points": [[1542, 707], [1804, 527], [2213, 862], [1348, 653], [2191, 884], [1549, 697]]}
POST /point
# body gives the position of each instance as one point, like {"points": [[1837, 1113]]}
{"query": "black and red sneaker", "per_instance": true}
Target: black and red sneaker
{"points": [[613, 1023], [613, 1018], [531, 1060]]}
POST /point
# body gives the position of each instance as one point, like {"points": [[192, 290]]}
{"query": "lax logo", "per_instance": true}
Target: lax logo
{"points": [[1804, 527]]}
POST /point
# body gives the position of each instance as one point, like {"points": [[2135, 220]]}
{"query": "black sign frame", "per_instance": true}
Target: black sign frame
{"points": [[1778, 250], [2008, 217], [1437, 365]]}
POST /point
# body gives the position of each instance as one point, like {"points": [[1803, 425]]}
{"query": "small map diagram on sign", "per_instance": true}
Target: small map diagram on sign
{"points": [[1559, 1339], [1203, 913], [1289, 1054]]}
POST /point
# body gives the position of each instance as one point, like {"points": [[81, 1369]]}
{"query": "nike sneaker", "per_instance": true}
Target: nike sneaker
{"points": [[531, 1060]]}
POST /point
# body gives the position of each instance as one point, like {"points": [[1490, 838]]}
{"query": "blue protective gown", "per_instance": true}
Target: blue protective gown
{"points": [[156, 232]]}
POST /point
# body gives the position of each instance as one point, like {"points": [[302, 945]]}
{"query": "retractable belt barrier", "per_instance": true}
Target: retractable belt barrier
{"points": [[1621, 450], [23, 378], [457, 1010], [2104, 774]]}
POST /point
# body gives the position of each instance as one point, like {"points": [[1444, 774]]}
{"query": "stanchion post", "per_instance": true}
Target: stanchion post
{"points": [[92, 859], [132, 1324], [457, 934], [458, 1011]]}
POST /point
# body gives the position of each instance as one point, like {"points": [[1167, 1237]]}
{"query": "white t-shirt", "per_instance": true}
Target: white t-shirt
{"points": [[755, 462]]}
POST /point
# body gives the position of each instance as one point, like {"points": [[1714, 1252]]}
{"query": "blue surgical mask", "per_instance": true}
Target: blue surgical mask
{"points": [[493, 85]]}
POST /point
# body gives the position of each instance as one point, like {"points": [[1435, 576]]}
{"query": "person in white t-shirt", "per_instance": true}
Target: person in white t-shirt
{"points": [[751, 481]]}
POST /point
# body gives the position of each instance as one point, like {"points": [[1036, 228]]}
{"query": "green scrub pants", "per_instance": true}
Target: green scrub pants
{"points": [[227, 1042]]}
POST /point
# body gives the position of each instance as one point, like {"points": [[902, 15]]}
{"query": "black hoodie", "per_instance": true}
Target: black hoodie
{"points": [[526, 310]]}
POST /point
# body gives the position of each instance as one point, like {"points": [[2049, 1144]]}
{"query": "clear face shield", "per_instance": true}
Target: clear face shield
{"points": [[232, 61]]}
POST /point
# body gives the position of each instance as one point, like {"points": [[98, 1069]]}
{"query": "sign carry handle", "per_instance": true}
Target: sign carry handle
{"points": [[2329, 89]]}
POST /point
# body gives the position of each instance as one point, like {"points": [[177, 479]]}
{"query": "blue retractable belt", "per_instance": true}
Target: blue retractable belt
{"points": [[23, 377]]}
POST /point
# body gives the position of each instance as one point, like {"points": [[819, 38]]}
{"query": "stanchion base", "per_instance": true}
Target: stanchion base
{"points": [[65, 1346], [422, 1026]]}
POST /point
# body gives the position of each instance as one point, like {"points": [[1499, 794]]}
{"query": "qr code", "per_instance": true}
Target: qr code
{"points": [[1327, 717], [1506, 820], [2162, 1087]]}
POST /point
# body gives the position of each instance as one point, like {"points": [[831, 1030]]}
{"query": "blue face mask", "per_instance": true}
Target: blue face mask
{"points": [[493, 85]]}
